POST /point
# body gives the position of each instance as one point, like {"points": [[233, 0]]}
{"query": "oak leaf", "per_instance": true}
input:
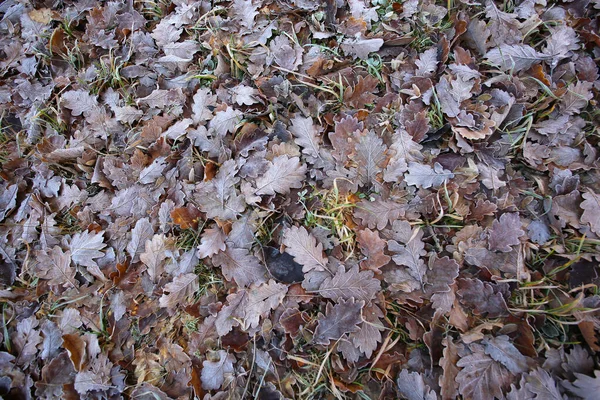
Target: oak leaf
{"points": [[247, 306], [215, 370], [481, 377], [85, 246], [338, 320], [505, 232], [182, 287], [304, 248], [284, 174], [372, 248], [591, 210], [350, 284], [424, 176]]}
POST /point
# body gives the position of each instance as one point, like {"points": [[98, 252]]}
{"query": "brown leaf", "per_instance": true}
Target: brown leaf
{"points": [[481, 377], [482, 298], [186, 217], [362, 93], [246, 307], [282, 175], [338, 320], [505, 232], [591, 210], [447, 381], [304, 248], [372, 247], [182, 287], [215, 370], [239, 265], [350, 284], [377, 214], [212, 242], [76, 348]]}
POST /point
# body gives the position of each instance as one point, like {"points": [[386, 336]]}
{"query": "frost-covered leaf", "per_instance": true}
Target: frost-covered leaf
{"points": [[244, 95], [372, 248], [502, 350], [55, 265], [370, 157], [360, 47], [585, 386], [127, 114], [427, 62], [165, 32], [245, 11], [424, 176], [239, 265], [79, 102], [563, 39], [175, 131], [368, 334], [155, 252], [304, 248], [350, 284], [410, 253], [203, 99], [481, 377], [247, 306], [284, 173], [178, 291], [591, 210], [576, 98], [505, 232], [117, 304], [377, 214], [8, 199], [482, 297], [360, 10], [215, 370], [538, 384], [307, 136], [26, 339], [218, 197], [404, 150], [225, 121], [212, 242], [85, 247], [412, 386], [516, 57], [151, 173], [338, 320], [142, 231], [286, 54]]}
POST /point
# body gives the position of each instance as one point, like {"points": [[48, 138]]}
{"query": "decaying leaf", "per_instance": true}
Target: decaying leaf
{"points": [[350, 284], [304, 248], [360, 47], [86, 246], [505, 232], [338, 320], [481, 377], [425, 176], [283, 174], [246, 307], [182, 287], [215, 371], [273, 199], [591, 210], [372, 247]]}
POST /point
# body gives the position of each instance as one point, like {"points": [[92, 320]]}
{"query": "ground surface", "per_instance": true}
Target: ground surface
{"points": [[276, 199]]}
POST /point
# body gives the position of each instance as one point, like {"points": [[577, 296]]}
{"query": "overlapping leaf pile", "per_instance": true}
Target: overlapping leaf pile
{"points": [[277, 199]]}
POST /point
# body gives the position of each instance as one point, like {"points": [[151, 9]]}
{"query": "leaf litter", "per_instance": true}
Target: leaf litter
{"points": [[259, 199]]}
